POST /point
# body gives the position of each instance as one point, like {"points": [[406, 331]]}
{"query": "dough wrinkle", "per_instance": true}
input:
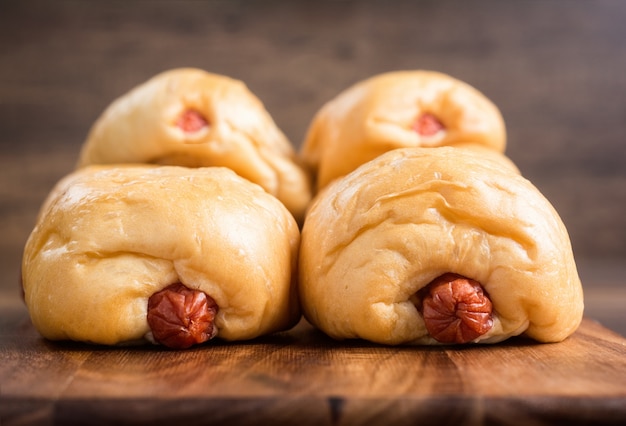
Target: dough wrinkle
{"points": [[107, 254], [434, 186]]}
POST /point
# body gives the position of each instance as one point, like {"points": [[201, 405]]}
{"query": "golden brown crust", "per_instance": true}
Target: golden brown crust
{"points": [[374, 238], [108, 238], [147, 125], [379, 114]]}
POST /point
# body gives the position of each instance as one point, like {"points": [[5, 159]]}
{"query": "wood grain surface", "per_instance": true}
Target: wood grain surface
{"points": [[303, 377]]}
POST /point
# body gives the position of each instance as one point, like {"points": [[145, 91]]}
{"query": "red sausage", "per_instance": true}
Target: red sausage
{"points": [[456, 309], [180, 317], [191, 121], [427, 125]]}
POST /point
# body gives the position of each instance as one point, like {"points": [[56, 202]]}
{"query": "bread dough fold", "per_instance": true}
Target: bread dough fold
{"points": [[374, 238], [144, 126], [107, 238]]}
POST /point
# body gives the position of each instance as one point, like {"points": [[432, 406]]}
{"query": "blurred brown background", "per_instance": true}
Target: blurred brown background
{"points": [[556, 69]]}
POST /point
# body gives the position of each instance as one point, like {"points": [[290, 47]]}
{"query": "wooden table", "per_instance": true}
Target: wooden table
{"points": [[302, 377]]}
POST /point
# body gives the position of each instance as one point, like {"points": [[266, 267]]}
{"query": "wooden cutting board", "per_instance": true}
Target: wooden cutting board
{"points": [[302, 377]]}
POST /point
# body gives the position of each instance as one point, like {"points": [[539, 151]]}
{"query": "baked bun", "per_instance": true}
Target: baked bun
{"points": [[110, 240], [397, 110], [437, 245], [189, 117]]}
